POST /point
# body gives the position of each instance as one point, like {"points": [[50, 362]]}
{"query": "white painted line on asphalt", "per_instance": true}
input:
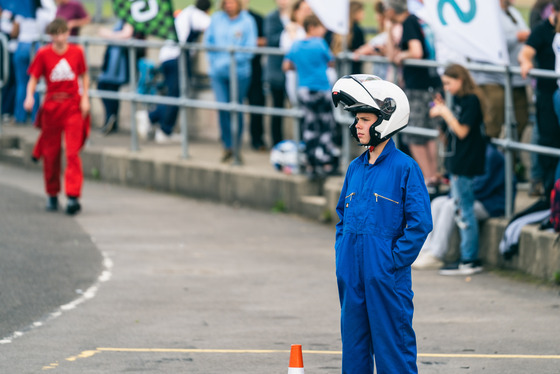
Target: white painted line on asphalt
{"points": [[90, 353], [88, 294]]}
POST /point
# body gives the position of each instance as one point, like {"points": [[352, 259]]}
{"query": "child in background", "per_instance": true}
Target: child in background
{"points": [[465, 158], [311, 58], [64, 111]]}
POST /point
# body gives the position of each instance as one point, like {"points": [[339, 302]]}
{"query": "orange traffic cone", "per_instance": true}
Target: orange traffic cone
{"points": [[296, 360]]}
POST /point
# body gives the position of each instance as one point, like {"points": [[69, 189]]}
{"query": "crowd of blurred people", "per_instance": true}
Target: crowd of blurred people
{"points": [[402, 34], [22, 29]]}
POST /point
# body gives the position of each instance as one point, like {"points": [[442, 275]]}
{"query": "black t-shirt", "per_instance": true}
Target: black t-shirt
{"points": [[466, 156], [540, 39], [415, 77]]}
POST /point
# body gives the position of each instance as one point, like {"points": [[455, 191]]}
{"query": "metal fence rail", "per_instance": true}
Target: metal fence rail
{"points": [[184, 102]]}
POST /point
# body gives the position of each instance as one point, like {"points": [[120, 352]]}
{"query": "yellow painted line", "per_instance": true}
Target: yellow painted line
{"points": [[84, 354], [452, 355], [261, 351]]}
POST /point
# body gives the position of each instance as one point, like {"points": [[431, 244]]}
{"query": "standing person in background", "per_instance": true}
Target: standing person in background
{"points": [[420, 87], [231, 26], [556, 96], [540, 11], [28, 33], [384, 212], [465, 158], [115, 70], [539, 47], [189, 23], [255, 95], [10, 28], [64, 111], [311, 58], [292, 32], [74, 13], [377, 45], [492, 85], [517, 32], [355, 38], [274, 24]]}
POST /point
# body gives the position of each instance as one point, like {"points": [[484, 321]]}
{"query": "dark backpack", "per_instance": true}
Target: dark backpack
{"points": [[555, 206]]}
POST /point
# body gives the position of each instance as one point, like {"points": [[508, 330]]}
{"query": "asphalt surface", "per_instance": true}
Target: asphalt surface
{"points": [[47, 260], [174, 285]]}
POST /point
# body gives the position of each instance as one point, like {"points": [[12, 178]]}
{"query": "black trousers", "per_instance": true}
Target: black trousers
{"points": [[255, 96], [549, 135], [278, 98], [111, 106]]}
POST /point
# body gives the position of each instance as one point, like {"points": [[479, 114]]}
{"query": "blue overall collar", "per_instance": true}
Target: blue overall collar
{"points": [[389, 147]]}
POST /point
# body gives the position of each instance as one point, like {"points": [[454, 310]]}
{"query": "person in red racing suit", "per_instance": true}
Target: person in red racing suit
{"points": [[64, 111]]}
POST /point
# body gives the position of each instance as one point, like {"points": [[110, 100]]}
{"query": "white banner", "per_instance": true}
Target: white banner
{"points": [[471, 28], [334, 14]]}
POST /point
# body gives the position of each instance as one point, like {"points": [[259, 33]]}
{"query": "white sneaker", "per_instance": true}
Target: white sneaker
{"points": [[143, 124], [464, 268], [163, 138], [427, 261]]}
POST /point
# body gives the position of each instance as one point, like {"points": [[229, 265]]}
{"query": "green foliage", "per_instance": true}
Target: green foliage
{"points": [[557, 277], [326, 217], [95, 173], [279, 207]]}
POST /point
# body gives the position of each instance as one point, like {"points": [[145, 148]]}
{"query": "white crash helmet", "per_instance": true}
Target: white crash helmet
{"points": [[367, 93]]}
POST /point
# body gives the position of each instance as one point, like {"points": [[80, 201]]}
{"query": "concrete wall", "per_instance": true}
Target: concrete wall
{"points": [[539, 252]]}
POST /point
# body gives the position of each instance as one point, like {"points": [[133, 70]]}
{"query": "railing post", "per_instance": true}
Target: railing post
{"points": [[510, 126], [234, 114], [134, 144], [183, 81]]}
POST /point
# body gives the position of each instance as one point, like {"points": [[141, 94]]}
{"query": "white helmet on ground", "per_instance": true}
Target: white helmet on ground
{"points": [[364, 93]]}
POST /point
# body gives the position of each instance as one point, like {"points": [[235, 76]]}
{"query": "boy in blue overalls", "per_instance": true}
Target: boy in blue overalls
{"points": [[385, 216]]}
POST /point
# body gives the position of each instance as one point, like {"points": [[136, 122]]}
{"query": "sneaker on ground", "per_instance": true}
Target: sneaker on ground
{"points": [[536, 189], [463, 268], [73, 206], [227, 155], [427, 261], [109, 127], [52, 204], [143, 124], [163, 138]]}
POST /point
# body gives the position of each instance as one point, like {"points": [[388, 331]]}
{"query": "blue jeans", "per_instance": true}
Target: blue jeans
{"points": [[462, 191], [221, 86], [22, 58], [166, 115]]}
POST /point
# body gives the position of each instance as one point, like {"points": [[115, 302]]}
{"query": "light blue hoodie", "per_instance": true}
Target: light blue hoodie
{"points": [[224, 32]]}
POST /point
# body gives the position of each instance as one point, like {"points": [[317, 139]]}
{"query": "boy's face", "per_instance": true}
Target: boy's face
{"points": [[365, 120], [60, 40]]}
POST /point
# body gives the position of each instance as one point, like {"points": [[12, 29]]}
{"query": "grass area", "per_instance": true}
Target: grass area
{"points": [[266, 6], [522, 277]]}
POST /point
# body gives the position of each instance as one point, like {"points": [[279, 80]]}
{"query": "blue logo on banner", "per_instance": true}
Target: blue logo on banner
{"points": [[464, 17]]}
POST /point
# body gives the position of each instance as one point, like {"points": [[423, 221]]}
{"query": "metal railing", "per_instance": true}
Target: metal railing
{"points": [[184, 102]]}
